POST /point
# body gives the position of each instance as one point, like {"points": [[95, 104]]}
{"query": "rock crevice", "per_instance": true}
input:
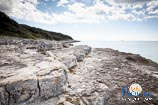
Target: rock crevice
{"points": [[75, 75]]}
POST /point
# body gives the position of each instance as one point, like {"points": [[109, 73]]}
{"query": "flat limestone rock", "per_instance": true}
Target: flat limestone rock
{"points": [[30, 75], [71, 56], [76, 75], [100, 78]]}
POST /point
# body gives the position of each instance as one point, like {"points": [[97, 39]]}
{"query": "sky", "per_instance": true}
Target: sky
{"points": [[89, 19]]}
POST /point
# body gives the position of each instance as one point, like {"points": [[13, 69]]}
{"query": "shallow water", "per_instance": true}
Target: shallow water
{"points": [[147, 49]]}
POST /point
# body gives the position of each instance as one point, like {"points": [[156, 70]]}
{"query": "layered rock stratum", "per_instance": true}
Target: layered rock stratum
{"points": [[41, 72]]}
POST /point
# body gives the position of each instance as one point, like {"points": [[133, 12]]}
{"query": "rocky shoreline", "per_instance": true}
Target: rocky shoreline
{"points": [[41, 72]]}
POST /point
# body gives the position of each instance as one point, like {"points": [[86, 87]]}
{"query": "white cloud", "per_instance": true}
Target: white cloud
{"points": [[26, 10], [80, 12], [62, 2], [6, 5]]}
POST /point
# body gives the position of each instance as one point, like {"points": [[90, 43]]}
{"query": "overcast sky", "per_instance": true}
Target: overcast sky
{"points": [[89, 19]]}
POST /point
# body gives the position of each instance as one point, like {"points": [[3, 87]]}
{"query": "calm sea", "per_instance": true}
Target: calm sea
{"points": [[147, 49]]}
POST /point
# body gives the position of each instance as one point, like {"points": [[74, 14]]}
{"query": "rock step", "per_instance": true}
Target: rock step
{"points": [[41, 77]]}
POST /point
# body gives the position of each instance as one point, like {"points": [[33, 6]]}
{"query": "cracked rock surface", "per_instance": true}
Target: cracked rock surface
{"points": [[98, 80], [36, 73]]}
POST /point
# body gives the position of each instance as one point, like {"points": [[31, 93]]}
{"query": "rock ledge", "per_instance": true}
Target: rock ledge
{"points": [[56, 73]]}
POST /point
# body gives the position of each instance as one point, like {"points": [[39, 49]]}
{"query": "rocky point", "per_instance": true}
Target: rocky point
{"points": [[41, 72]]}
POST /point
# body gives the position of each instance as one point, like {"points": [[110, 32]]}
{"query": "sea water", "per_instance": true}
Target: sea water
{"points": [[147, 49]]}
